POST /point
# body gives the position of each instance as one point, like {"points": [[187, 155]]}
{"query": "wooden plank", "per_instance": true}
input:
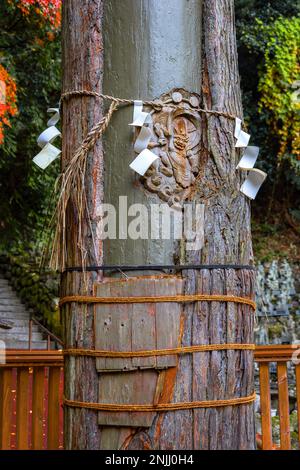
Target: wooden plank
{"points": [[133, 327], [265, 406], [275, 352], [38, 407], [22, 408], [143, 325], [135, 387], [297, 370], [167, 320], [284, 408], [17, 358], [102, 322], [154, 326], [121, 326], [113, 327], [53, 408], [5, 407]]}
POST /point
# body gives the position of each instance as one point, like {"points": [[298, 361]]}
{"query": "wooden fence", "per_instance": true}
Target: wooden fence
{"points": [[31, 387], [281, 356]]}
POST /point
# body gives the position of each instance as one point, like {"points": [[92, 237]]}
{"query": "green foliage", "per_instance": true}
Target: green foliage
{"points": [[30, 51], [279, 42], [268, 33]]}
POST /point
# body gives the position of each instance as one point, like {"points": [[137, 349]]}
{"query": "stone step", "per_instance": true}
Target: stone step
{"points": [[5, 287], [4, 298], [14, 308], [15, 344], [17, 322], [4, 336], [22, 328], [12, 315], [10, 301], [6, 290]]}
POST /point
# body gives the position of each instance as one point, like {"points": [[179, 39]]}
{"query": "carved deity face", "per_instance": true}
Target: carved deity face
{"points": [[176, 140]]}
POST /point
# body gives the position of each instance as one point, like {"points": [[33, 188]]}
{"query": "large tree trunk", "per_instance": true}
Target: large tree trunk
{"points": [[151, 47]]}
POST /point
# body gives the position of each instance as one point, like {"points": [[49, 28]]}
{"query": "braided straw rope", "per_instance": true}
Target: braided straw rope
{"points": [[161, 406], [167, 298], [154, 104], [73, 188], [158, 352]]}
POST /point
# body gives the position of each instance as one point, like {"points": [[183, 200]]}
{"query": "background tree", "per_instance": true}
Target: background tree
{"points": [[30, 56]]}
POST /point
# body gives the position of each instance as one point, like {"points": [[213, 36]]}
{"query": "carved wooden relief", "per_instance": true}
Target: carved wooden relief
{"points": [[176, 134]]}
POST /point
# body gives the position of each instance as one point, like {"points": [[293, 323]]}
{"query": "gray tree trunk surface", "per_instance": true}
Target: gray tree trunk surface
{"points": [[141, 49]]}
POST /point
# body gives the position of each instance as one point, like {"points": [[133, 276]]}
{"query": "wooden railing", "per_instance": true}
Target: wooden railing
{"points": [[50, 336], [280, 355], [31, 385]]}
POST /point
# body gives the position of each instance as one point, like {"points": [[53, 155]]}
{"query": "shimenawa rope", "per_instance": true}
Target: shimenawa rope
{"points": [[162, 352], [158, 352], [166, 298], [161, 406]]}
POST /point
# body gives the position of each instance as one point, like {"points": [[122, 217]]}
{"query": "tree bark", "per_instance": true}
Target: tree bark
{"points": [[133, 70], [82, 69]]}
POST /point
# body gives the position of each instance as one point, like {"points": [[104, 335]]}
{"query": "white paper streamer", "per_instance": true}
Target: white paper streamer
{"points": [[241, 136], [238, 127], [143, 140], [249, 158], [139, 117], [47, 155], [143, 118], [48, 136], [143, 161], [55, 118], [256, 177], [253, 182]]}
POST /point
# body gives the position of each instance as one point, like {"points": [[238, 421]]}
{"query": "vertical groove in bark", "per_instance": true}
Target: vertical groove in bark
{"points": [[82, 69]]}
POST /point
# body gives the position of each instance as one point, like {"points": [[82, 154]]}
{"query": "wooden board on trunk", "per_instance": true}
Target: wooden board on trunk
{"points": [[135, 387], [136, 327]]}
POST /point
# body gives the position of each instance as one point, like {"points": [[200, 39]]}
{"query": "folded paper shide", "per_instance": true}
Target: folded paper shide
{"points": [[255, 177], [49, 152], [143, 161], [145, 157], [241, 136]]}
